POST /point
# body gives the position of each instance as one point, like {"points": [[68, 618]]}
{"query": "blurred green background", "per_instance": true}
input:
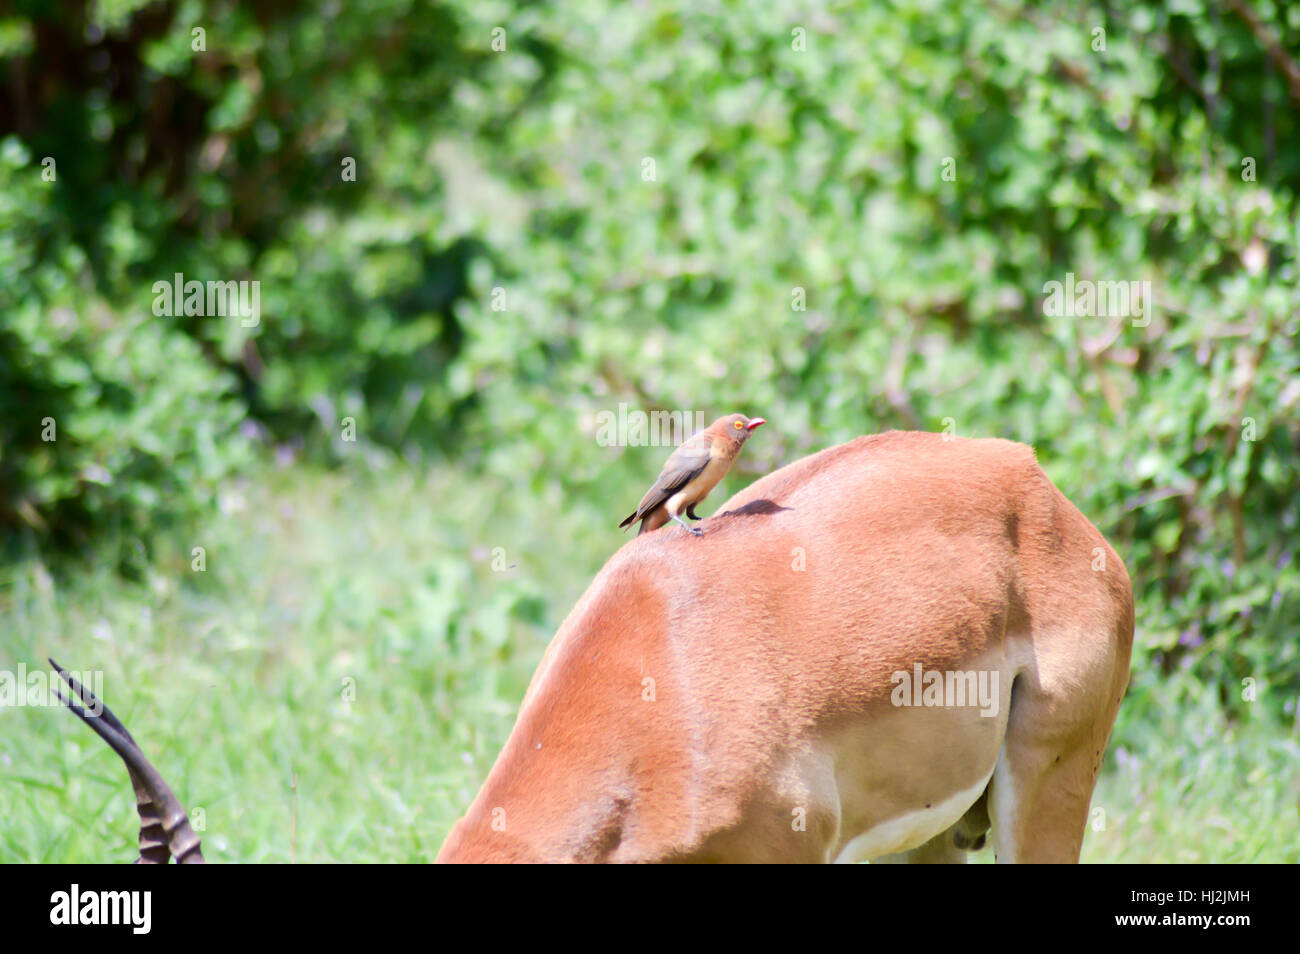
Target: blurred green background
{"points": [[477, 225]]}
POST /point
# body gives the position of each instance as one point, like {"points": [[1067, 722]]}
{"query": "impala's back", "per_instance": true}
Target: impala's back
{"points": [[879, 651]]}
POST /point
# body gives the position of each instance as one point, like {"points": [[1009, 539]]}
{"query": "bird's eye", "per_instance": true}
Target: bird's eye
{"points": [[738, 425]]}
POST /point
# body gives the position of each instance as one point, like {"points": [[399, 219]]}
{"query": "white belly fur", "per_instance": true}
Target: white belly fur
{"points": [[912, 829]]}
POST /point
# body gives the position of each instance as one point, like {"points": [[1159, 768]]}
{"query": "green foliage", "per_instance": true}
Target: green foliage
{"points": [[108, 418], [298, 149], [780, 173], [843, 217]]}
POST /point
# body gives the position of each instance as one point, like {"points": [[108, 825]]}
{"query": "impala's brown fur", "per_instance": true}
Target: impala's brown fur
{"points": [[728, 698]]}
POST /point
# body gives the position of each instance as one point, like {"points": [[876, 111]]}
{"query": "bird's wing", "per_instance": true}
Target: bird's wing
{"points": [[683, 465]]}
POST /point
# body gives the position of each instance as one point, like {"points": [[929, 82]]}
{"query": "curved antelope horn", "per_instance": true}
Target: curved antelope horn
{"points": [[164, 827]]}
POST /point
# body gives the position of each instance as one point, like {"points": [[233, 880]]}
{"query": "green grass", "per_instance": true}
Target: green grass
{"points": [[233, 680], [1182, 784]]}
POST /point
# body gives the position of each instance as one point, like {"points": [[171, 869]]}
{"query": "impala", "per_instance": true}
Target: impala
{"points": [[736, 697], [881, 651]]}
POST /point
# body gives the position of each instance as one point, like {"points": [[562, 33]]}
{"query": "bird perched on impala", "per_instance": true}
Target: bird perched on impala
{"points": [[691, 472]]}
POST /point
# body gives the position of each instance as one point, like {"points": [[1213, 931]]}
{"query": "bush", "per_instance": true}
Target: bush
{"points": [[846, 220], [109, 419]]}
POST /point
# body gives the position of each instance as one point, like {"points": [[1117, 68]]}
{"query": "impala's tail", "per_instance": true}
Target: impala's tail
{"points": [[164, 827]]}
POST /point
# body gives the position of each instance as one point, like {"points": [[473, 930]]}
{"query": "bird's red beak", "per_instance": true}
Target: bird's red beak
{"points": [[754, 423]]}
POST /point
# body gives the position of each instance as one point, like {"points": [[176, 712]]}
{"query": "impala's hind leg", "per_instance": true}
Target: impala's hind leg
{"points": [[1071, 645], [1043, 782]]}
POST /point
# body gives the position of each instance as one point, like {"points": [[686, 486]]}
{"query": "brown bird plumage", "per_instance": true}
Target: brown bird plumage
{"points": [[691, 472]]}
